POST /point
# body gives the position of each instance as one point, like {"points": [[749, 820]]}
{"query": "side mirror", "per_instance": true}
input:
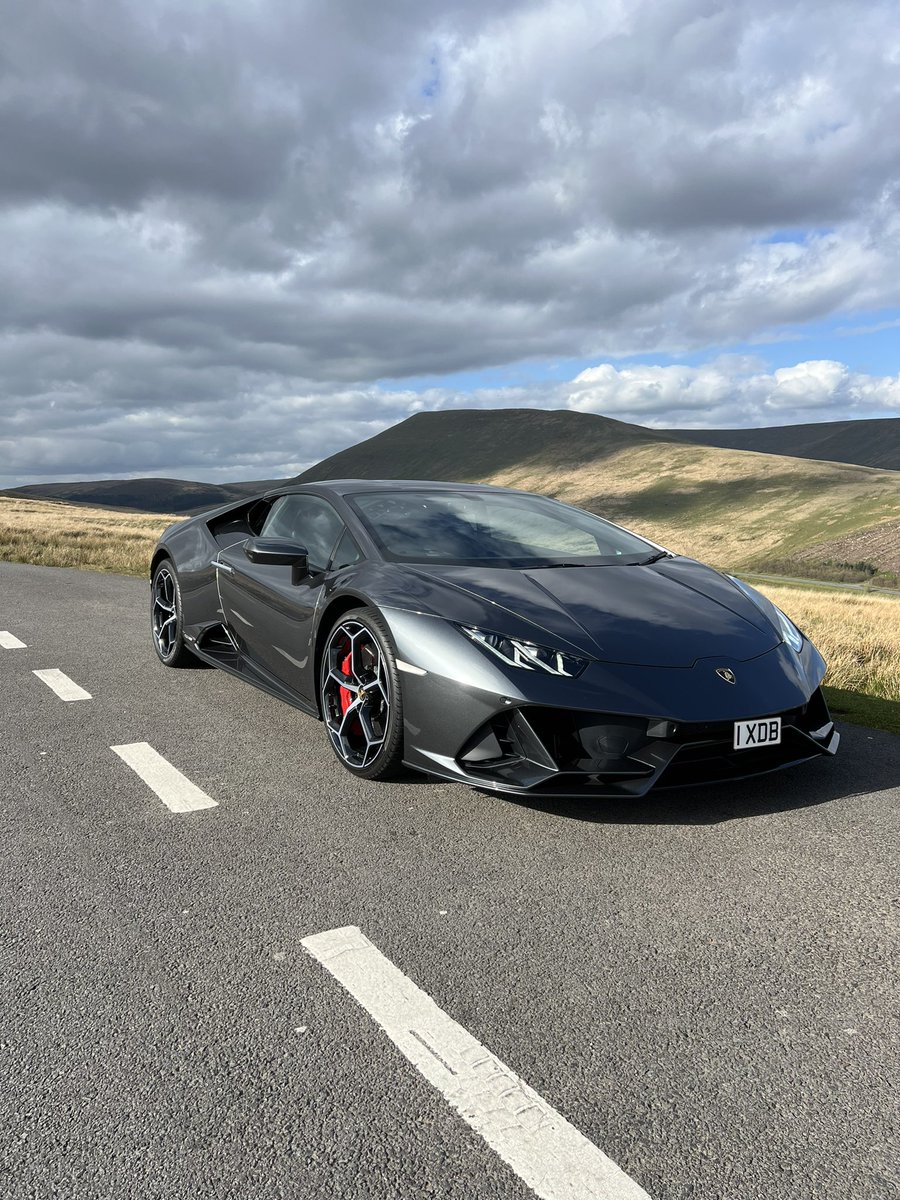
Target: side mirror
{"points": [[278, 552]]}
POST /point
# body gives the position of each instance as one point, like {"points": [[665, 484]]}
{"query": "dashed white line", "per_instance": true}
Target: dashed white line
{"points": [[9, 642], [175, 790], [550, 1155], [64, 687]]}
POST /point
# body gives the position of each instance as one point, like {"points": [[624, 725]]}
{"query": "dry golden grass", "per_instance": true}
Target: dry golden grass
{"points": [[731, 508], [858, 635], [69, 535]]}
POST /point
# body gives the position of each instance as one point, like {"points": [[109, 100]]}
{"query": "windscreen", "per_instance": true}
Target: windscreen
{"points": [[494, 528]]}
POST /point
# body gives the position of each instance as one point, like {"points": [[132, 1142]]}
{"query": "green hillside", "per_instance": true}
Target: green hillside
{"points": [[733, 508]]}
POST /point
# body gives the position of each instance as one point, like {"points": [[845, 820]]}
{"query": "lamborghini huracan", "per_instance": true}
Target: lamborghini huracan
{"points": [[490, 636]]}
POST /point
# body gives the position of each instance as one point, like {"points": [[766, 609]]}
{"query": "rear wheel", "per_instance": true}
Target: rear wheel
{"points": [[360, 696], [165, 617]]}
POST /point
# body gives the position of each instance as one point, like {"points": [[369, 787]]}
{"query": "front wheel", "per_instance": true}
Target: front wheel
{"points": [[362, 706], [165, 618]]}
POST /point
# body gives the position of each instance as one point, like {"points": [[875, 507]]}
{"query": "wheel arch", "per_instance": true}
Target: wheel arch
{"points": [[159, 554], [335, 608]]}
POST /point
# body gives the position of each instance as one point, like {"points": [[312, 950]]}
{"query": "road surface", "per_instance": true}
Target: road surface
{"points": [[697, 988]]}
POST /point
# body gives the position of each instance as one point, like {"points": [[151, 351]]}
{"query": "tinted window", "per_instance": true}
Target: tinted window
{"points": [[308, 520], [347, 552], [499, 528]]}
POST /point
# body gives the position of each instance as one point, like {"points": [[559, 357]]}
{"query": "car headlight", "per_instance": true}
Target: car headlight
{"points": [[516, 652], [789, 631]]}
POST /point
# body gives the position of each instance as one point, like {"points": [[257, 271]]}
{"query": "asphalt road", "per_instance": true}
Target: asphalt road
{"points": [[700, 983], [753, 576]]}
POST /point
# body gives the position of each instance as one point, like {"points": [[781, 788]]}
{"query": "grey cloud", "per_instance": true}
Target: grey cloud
{"points": [[217, 208]]}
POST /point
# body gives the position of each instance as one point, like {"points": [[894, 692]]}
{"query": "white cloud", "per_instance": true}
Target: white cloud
{"points": [[733, 392]]}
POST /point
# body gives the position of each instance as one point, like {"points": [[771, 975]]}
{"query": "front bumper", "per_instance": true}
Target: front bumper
{"points": [[616, 730], [539, 751]]}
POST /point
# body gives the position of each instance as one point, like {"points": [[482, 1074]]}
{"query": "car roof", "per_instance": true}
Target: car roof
{"points": [[347, 487]]}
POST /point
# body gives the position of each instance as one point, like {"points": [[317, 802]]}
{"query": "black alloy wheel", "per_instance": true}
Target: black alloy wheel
{"points": [[165, 617], [360, 696]]}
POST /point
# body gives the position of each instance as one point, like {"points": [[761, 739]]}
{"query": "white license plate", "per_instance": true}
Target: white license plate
{"points": [[766, 732]]}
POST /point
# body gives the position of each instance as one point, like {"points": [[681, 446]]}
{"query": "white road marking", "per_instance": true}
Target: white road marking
{"points": [[9, 642], [550, 1155], [176, 791], [64, 687]]}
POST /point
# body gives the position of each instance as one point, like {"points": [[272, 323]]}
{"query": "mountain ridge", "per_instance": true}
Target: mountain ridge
{"points": [[476, 442], [867, 442], [179, 496], [733, 508]]}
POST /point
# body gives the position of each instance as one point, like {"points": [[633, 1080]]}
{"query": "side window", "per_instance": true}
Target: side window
{"points": [[347, 552], [308, 520]]}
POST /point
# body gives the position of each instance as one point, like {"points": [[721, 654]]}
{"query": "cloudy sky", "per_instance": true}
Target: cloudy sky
{"points": [[238, 235]]}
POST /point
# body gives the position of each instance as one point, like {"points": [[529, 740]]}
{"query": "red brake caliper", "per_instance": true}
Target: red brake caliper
{"points": [[346, 694]]}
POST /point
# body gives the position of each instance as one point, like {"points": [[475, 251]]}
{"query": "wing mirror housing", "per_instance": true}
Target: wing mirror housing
{"points": [[279, 552]]}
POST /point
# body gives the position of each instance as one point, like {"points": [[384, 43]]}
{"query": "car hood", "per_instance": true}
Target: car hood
{"points": [[667, 614]]}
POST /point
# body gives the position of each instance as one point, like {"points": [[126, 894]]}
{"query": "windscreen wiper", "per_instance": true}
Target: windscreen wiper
{"points": [[645, 562]]}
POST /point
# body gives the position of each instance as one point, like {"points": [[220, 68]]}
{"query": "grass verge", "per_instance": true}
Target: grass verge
{"points": [[860, 709], [858, 634], [54, 534]]}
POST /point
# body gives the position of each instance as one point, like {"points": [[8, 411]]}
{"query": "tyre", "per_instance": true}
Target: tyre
{"points": [[359, 690], [165, 617]]}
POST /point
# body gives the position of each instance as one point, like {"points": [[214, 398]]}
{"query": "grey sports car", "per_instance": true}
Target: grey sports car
{"points": [[490, 636]]}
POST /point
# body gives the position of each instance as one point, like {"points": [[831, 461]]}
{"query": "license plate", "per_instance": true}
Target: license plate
{"points": [[757, 733]]}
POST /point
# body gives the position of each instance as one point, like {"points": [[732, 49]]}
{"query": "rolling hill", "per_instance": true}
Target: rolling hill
{"points": [[180, 496], [869, 443], [476, 443], [736, 509], [730, 507]]}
